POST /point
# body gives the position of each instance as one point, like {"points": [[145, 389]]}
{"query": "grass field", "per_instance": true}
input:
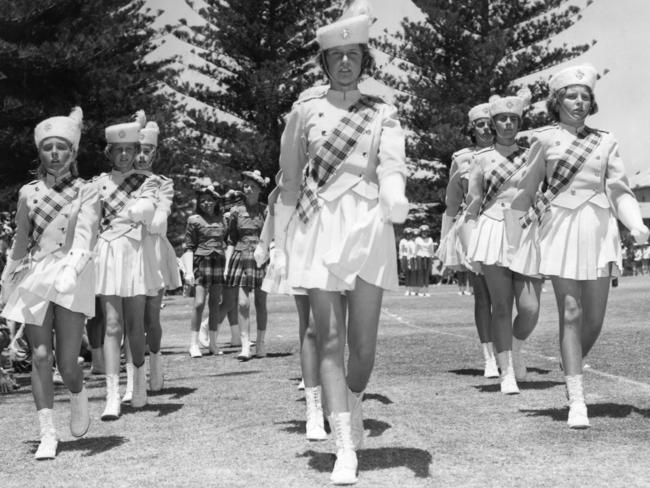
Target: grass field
{"points": [[431, 419]]}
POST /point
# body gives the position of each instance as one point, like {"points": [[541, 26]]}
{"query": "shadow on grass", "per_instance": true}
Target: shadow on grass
{"points": [[376, 427], [611, 410], [238, 373], [92, 445], [298, 427], [417, 460], [538, 370], [378, 397], [163, 409], [177, 392], [523, 385], [271, 355], [467, 372]]}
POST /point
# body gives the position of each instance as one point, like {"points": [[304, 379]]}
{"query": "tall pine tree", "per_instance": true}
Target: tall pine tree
{"points": [[58, 53], [260, 51], [463, 52]]}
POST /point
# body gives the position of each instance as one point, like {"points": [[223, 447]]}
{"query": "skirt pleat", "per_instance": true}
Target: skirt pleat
{"points": [[488, 244]]}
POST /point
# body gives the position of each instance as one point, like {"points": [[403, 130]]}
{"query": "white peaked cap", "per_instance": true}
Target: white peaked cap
{"points": [[149, 134], [68, 128], [480, 111], [584, 74], [352, 27], [127, 132], [510, 105]]}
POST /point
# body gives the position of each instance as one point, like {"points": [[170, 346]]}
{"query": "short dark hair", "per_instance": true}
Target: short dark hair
{"points": [[368, 63], [468, 130], [555, 99], [212, 194]]}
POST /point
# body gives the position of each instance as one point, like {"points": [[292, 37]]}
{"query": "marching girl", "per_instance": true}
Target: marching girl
{"points": [[275, 282], [49, 277], [411, 278], [424, 249], [205, 259], [452, 251], [493, 181], [578, 242], [343, 172], [165, 255], [243, 275], [127, 267], [402, 254]]}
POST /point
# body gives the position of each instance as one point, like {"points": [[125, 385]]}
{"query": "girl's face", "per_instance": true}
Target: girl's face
{"points": [[483, 131], [207, 204], [144, 158], [506, 125], [575, 105], [251, 187], [344, 66], [56, 155], [122, 155]]}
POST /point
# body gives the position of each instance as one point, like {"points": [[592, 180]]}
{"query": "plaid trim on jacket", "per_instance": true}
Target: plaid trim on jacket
{"points": [[499, 175], [333, 152], [116, 201], [61, 194], [565, 170]]}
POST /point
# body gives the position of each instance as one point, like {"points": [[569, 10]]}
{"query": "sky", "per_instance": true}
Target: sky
{"points": [[620, 28]]}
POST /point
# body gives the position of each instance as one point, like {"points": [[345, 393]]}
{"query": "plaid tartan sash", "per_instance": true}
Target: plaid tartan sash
{"points": [[60, 195], [499, 175], [116, 201], [565, 170], [332, 153]]}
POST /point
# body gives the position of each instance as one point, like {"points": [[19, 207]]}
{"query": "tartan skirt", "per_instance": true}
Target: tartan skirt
{"points": [[243, 270], [208, 270]]}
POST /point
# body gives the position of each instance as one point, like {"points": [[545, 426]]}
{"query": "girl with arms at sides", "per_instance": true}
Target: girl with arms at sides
{"points": [[343, 180], [576, 241], [49, 278], [493, 182]]}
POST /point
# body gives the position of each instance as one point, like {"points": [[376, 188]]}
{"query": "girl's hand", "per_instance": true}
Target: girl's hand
{"points": [[640, 234]]}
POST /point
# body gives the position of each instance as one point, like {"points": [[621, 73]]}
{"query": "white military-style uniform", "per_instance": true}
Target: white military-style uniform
{"points": [[578, 236], [348, 237], [165, 254], [450, 251], [488, 243], [126, 263], [68, 239]]}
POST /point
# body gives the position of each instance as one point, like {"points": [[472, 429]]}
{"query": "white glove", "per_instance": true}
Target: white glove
{"points": [[278, 263], [513, 226], [187, 260], [158, 223], [629, 214], [465, 233], [392, 199], [260, 254], [640, 234], [141, 210], [66, 280]]}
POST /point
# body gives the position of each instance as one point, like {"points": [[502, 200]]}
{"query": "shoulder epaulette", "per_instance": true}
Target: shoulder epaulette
{"points": [[462, 152], [33, 182], [313, 92], [484, 150], [545, 128], [164, 178], [599, 130]]}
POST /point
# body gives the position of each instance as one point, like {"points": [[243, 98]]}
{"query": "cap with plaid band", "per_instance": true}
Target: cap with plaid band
{"points": [[68, 128]]}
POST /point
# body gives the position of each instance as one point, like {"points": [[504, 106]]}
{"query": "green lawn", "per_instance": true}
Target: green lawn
{"points": [[431, 419]]}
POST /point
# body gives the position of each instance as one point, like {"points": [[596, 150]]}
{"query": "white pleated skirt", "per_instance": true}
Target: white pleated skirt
{"points": [[451, 251], [579, 244], [34, 290], [488, 243], [127, 267], [348, 238], [526, 257], [167, 262]]}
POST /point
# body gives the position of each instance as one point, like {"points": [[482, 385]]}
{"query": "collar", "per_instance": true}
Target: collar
{"points": [[52, 180], [146, 172], [506, 150], [119, 174], [343, 97], [571, 128]]}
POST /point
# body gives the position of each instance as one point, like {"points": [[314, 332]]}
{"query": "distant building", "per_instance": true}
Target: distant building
{"points": [[640, 184]]}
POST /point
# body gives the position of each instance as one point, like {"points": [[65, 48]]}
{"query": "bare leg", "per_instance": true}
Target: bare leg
{"points": [[40, 339], [482, 308], [499, 284], [112, 312], [134, 321], [527, 296], [308, 351], [152, 325], [69, 327]]}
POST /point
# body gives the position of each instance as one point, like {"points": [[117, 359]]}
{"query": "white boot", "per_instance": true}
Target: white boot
{"points": [[79, 413], [577, 408], [204, 334], [128, 392], [245, 352], [139, 387], [156, 378], [260, 347], [491, 369], [195, 350], [518, 362], [235, 335], [508, 380], [97, 364], [212, 343], [315, 423], [345, 467], [47, 447], [356, 415], [112, 409]]}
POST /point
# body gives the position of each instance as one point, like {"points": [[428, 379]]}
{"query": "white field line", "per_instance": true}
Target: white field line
{"points": [[552, 359]]}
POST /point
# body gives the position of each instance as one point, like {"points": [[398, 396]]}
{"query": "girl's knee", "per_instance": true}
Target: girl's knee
{"points": [[42, 357], [113, 329]]}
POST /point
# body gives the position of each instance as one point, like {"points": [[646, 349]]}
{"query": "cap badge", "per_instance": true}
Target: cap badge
{"points": [[121, 134], [141, 137], [48, 127], [509, 104], [345, 33], [580, 75]]}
